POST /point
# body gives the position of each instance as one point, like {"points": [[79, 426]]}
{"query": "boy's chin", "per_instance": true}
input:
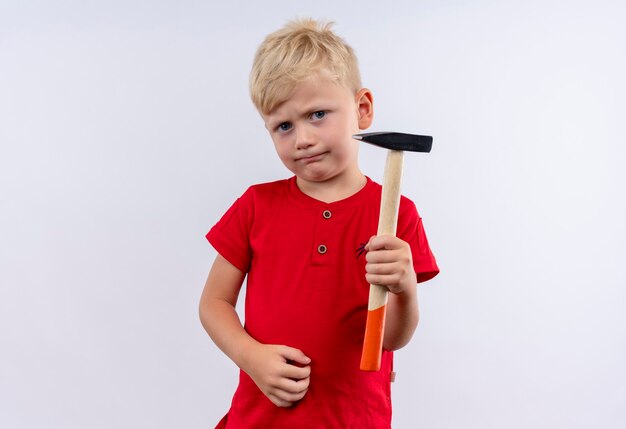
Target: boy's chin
{"points": [[313, 179]]}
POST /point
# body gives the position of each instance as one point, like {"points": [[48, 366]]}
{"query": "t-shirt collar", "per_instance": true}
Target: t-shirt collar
{"points": [[360, 197]]}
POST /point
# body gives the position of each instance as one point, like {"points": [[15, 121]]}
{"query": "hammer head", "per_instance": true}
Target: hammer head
{"points": [[397, 141]]}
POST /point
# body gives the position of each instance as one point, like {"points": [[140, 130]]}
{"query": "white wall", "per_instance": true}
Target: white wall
{"points": [[126, 130]]}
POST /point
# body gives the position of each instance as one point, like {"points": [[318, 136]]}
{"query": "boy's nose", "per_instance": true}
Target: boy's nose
{"points": [[304, 138]]}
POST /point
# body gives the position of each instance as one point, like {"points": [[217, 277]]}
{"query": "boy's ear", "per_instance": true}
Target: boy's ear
{"points": [[365, 105]]}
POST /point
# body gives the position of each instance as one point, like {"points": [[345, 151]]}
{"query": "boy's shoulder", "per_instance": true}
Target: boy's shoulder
{"points": [[265, 193]]}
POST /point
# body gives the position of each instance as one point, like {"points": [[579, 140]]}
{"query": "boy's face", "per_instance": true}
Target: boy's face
{"points": [[312, 131]]}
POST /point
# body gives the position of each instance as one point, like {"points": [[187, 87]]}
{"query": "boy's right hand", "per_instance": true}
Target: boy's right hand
{"points": [[283, 382]]}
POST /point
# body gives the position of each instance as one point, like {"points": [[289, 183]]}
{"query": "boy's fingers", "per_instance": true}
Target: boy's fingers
{"points": [[279, 402], [287, 392], [368, 246], [296, 372], [383, 242], [382, 279], [381, 268], [384, 256], [291, 354], [288, 397], [380, 242], [294, 387]]}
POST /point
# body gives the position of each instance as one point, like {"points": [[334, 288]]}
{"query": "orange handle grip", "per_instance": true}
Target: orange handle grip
{"points": [[373, 342]]}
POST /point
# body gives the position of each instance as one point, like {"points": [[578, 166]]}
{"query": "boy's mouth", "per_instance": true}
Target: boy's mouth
{"points": [[311, 158]]}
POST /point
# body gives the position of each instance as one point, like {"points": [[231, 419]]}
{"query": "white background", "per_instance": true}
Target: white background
{"points": [[126, 130]]}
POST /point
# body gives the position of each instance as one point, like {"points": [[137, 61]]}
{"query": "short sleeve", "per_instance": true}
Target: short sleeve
{"points": [[411, 230], [230, 236]]}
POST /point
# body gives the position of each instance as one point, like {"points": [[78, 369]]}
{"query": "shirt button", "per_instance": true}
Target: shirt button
{"points": [[322, 249], [327, 214]]}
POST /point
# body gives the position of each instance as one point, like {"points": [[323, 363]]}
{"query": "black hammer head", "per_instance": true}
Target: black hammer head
{"points": [[397, 141]]}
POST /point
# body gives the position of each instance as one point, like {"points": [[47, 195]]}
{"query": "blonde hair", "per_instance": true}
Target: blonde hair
{"points": [[296, 52]]}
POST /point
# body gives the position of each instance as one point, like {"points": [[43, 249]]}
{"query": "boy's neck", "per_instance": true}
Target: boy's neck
{"points": [[333, 190]]}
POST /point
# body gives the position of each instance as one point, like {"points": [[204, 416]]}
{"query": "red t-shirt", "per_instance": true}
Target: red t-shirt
{"points": [[306, 289]]}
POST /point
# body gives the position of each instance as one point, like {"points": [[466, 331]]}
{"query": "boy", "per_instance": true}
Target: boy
{"points": [[307, 247]]}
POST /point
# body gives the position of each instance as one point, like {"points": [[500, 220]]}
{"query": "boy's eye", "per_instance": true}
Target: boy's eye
{"points": [[318, 115], [285, 126]]}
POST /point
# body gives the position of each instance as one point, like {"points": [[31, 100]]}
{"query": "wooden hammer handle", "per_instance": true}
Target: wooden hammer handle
{"points": [[387, 223]]}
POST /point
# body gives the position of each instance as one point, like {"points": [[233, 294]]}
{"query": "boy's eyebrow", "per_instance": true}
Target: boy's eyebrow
{"points": [[272, 123]]}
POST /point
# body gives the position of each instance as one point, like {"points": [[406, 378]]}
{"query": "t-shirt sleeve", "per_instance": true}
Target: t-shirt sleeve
{"points": [[411, 230], [230, 236]]}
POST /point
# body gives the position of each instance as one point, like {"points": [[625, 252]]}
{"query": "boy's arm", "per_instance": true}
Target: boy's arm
{"points": [[402, 319], [283, 383], [390, 264]]}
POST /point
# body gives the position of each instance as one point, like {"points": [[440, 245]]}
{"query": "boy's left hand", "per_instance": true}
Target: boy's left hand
{"points": [[390, 264]]}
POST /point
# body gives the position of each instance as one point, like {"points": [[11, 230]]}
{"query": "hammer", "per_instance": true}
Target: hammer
{"points": [[397, 143]]}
